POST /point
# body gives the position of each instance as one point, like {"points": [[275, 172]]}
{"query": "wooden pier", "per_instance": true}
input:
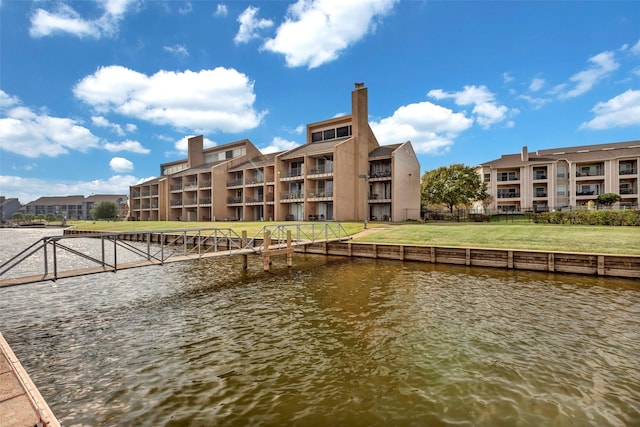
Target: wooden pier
{"points": [[21, 404], [112, 252]]}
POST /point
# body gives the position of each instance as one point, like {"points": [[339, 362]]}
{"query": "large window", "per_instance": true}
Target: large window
{"points": [[561, 190], [329, 134]]}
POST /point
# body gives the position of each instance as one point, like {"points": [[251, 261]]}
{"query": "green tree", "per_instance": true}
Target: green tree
{"points": [[608, 199], [105, 210], [17, 216], [50, 217], [455, 185]]}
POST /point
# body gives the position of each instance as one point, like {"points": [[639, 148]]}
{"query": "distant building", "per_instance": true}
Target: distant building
{"points": [[71, 207], [560, 178], [341, 173], [8, 207]]}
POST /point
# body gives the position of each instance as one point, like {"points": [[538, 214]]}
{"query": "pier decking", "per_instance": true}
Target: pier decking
{"points": [[21, 404]]}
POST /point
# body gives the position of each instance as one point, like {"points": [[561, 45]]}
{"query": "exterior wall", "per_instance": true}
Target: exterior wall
{"points": [[406, 188]]}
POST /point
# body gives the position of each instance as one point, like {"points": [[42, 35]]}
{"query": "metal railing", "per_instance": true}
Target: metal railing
{"points": [[113, 251]]}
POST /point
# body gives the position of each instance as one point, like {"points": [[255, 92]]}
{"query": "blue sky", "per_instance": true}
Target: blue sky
{"points": [[95, 95]]}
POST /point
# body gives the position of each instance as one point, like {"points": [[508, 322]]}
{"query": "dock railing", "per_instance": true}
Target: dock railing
{"points": [[79, 253]]}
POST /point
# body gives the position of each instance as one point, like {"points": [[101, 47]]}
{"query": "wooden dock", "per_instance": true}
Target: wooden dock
{"points": [[21, 404]]}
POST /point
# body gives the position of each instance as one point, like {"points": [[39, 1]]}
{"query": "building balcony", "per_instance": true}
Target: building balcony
{"points": [[234, 183], [539, 176], [255, 182], [292, 196], [540, 194], [509, 195], [627, 191], [234, 200], [175, 187], [205, 184], [625, 171], [320, 195], [257, 199], [191, 187], [583, 174], [176, 203]]}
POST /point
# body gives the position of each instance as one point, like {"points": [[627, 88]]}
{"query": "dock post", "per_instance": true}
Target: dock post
{"points": [[266, 258], [289, 250], [245, 257]]}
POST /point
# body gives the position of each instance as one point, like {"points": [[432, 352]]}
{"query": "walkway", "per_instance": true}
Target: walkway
{"points": [[21, 404]]}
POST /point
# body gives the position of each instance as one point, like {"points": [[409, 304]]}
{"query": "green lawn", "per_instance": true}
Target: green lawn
{"points": [[567, 238]]}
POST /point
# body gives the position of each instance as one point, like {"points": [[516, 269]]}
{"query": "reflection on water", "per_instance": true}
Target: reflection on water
{"points": [[331, 341]]}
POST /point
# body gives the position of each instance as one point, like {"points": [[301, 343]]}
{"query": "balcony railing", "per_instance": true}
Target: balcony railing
{"points": [[508, 178], [509, 195], [293, 195], [191, 186], [540, 194], [321, 170], [628, 191], [176, 203], [380, 174], [176, 187], [377, 196], [320, 194], [539, 176], [257, 199], [205, 184], [595, 172], [234, 183], [587, 193], [190, 202], [234, 200], [631, 171], [293, 173]]}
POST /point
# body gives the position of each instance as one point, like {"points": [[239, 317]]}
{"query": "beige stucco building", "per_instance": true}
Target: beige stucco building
{"points": [[560, 178], [341, 173]]}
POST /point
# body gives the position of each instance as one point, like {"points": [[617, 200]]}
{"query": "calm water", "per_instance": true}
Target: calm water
{"points": [[332, 341]]}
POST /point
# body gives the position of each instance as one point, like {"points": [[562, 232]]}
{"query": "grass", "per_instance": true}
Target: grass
{"points": [[526, 236]]}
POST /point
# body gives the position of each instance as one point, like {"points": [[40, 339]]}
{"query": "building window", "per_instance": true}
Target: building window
{"points": [[316, 137], [561, 172], [343, 131], [329, 134], [487, 177], [228, 154], [561, 191]]}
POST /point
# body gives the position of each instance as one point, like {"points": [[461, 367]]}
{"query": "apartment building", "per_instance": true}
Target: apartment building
{"points": [[562, 178], [8, 206], [341, 173], [72, 207]]}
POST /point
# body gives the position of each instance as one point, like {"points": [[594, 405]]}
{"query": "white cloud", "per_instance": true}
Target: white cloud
{"points": [[603, 64], [536, 84], [507, 77], [7, 101], [636, 48], [537, 103], [128, 145], [620, 111], [103, 122], [65, 19], [315, 32], [187, 8], [30, 189], [178, 50], [120, 165], [204, 101], [486, 110], [182, 145], [250, 25], [221, 10], [279, 144], [32, 135], [430, 128]]}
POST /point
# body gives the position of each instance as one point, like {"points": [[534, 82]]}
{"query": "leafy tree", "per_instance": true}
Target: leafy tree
{"points": [[50, 217], [105, 210], [608, 199], [455, 185]]}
